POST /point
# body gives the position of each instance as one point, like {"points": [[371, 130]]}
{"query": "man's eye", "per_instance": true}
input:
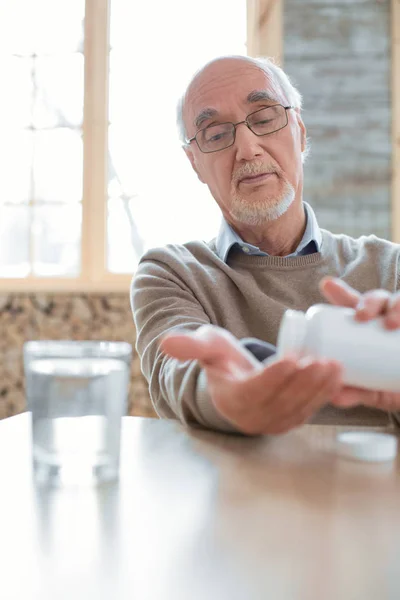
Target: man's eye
{"points": [[264, 122], [217, 137]]}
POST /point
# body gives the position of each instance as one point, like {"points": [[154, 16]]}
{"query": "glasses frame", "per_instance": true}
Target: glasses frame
{"points": [[194, 138]]}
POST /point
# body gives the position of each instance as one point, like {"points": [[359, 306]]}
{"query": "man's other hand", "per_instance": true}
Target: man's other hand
{"points": [[371, 305]]}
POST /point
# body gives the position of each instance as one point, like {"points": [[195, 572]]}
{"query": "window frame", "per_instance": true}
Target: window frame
{"points": [[265, 28]]}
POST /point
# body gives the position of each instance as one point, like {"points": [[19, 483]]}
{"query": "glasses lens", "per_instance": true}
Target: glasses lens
{"points": [[215, 137], [268, 120]]}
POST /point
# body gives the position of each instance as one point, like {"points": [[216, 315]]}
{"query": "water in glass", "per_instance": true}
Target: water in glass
{"points": [[77, 407]]}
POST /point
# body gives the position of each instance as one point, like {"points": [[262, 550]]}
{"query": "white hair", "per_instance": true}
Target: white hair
{"points": [[279, 76]]}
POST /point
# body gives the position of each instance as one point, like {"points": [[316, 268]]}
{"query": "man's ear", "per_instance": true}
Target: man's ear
{"points": [[192, 159], [303, 133]]}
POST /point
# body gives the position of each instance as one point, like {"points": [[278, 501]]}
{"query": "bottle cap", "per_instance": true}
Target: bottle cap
{"points": [[369, 446], [292, 332]]}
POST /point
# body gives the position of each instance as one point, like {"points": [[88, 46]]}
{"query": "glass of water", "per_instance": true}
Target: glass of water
{"points": [[77, 393]]}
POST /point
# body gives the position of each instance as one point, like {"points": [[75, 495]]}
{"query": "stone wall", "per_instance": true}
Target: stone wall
{"points": [[76, 317], [337, 52]]}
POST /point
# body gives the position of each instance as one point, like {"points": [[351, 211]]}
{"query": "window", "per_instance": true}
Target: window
{"points": [[154, 198], [41, 104], [92, 169]]}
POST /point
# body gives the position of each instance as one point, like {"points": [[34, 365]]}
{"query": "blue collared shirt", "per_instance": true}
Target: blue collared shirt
{"points": [[310, 242]]}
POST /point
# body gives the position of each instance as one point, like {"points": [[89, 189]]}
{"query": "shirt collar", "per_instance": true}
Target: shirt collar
{"points": [[227, 238]]}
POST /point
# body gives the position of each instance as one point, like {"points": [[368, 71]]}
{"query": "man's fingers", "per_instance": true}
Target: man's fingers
{"points": [[183, 346], [352, 396], [309, 388], [378, 303], [367, 306], [287, 389], [274, 375], [339, 293], [392, 319], [389, 401], [255, 389], [211, 346], [372, 305]]}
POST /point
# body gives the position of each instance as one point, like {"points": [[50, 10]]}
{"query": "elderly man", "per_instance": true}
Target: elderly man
{"points": [[207, 314]]}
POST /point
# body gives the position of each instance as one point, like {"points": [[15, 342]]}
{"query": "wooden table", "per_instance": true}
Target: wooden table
{"points": [[202, 516]]}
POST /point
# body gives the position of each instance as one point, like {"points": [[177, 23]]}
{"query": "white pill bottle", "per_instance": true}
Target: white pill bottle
{"points": [[368, 352]]}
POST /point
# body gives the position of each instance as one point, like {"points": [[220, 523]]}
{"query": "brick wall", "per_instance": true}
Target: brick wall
{"points": [[338, 54]]}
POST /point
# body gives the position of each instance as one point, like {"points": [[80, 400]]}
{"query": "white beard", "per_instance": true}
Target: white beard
{"points": [[258, 213]]}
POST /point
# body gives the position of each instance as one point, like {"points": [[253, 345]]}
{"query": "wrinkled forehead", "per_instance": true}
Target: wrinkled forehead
{"points": [[226, 85]]}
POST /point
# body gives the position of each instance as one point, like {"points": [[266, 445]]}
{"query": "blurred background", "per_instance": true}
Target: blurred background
{"points": [[92, 172]]}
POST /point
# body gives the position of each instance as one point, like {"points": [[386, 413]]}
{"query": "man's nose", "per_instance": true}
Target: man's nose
{"points": [[247, 143]]}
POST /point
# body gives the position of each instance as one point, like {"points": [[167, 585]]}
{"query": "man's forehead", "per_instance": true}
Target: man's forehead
{"points": [[241, 75], [219, 82]]}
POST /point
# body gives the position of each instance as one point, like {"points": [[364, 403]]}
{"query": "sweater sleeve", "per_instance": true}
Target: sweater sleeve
{"points": [[161, 301]]}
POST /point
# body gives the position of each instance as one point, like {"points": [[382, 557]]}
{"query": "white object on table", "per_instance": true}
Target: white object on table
{"points": [[369, 446]]}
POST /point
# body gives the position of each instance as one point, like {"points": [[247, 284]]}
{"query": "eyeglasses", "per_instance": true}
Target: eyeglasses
{"points": [[261, 122]]}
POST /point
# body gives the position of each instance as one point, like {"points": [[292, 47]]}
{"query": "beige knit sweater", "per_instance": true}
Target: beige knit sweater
{"points": [[189, 285]]}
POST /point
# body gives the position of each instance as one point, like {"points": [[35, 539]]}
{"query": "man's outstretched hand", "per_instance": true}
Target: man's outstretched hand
{"points": [[256, 398]]}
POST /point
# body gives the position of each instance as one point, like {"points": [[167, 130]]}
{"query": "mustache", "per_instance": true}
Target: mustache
{"points": [[254, 169]]}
